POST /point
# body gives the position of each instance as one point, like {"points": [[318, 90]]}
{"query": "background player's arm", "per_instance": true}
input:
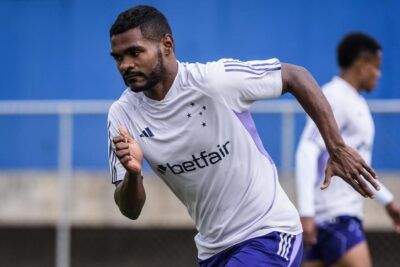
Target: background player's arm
{"points": [[393, 209], [386, 198], [344, 161], [306, 175], [129, 193]]}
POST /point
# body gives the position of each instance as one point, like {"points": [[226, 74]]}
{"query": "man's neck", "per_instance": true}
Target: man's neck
{"points": [[161, 89], [349, 77]]}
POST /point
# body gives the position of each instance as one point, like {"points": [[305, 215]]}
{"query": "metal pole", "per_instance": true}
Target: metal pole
{"points": [[63, 232], [287, 143]]}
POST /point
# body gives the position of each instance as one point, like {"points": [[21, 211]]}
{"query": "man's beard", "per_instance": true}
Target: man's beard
{"points": [[152, 79]]}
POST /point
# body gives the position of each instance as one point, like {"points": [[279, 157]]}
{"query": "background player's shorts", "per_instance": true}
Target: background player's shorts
{"points": [[335, 238], [273, 249]]}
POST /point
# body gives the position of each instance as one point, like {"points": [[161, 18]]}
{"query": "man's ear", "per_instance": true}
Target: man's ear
{"points": [[168, 44], [358, 65]]}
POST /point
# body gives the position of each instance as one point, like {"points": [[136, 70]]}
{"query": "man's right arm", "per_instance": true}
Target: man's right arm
{"points": [[306, 175], [129, 193]]}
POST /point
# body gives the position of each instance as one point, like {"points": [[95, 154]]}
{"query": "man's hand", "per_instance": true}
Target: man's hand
{"points": [[309, 231], [346, 163], [128, 152], [393, 209]]}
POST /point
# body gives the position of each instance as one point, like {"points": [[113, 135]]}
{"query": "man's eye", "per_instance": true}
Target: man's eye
{"points": [[135, 53], [118, 58]]}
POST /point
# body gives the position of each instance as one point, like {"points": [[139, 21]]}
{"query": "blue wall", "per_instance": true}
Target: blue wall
{"points": [[59, 49]]}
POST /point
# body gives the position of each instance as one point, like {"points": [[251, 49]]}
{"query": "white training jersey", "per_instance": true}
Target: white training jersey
{"points": [[356, 126], [202, 142]]}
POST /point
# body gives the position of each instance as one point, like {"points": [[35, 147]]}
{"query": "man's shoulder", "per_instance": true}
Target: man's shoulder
{"points": [[194, 67], [330, 85], [195, 74], [128, 99], [334, 89]]}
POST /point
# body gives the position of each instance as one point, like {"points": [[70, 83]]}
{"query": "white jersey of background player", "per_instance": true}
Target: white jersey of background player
{"points": [[357, 128], [191, 122]]}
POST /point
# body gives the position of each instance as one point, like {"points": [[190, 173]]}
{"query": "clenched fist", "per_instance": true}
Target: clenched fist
{"points": [[128, 152]]}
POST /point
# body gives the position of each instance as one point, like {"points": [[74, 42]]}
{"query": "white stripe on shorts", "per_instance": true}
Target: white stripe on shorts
{"points": [[281, 235], [285, 255], [284, 245]]}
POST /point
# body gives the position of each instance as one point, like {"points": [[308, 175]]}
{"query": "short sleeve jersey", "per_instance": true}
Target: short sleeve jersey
{"points": [[202, 142], [356, 126]]}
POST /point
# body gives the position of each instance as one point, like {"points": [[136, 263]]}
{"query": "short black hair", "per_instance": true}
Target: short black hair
{"points": [[354, 45], [152, 23]]}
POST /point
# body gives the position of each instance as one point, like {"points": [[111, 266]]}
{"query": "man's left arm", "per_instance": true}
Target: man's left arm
{"points": [[386, 198], [393, 209], [344, 161]]}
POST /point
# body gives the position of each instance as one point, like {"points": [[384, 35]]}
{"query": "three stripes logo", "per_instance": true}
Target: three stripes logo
{"points": [[146, 133], [284, 245]]}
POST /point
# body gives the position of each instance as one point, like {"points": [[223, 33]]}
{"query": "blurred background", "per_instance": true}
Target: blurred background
{"points": [[57, 81]]}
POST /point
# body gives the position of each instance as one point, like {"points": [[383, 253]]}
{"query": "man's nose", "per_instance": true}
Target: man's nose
{"points": [[127, 63]]}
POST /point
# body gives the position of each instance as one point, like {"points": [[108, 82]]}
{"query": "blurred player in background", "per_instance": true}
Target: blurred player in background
{"points": [[191, 123], [331, 218]]}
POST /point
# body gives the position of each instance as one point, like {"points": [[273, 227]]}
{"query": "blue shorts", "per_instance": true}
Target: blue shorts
{"points": [[335, 238], [273, 249]]}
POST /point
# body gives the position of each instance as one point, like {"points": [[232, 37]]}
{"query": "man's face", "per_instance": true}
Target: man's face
{"points": [[370, 71], [138, 60]]}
